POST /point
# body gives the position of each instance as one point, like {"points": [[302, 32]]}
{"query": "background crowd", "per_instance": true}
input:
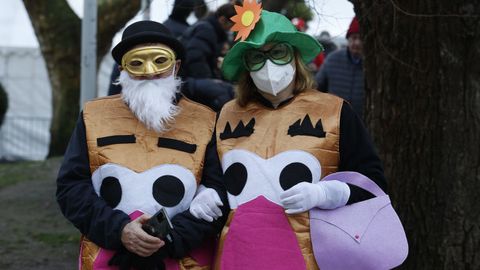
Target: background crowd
{"points": [[338, 70]]}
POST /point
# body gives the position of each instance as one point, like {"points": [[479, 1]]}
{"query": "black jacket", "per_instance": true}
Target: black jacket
{"points": [[176, 26], [211, 92], [203, 42]]}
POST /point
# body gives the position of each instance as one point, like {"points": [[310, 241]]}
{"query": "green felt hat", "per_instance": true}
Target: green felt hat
{"points": [[271, 27]]}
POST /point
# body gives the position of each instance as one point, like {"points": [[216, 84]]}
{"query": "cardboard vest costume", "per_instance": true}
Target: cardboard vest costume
{"points": [[138, 171], [263, 152]]}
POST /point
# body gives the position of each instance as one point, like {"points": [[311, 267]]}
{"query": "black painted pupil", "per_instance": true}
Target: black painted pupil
{"points": [[235, 178], [111, 191], [168, 190], [293, 174]]}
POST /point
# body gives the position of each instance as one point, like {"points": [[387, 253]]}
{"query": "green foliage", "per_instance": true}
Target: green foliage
{"points": [[3, 103], [290, 8], [298, 8]]}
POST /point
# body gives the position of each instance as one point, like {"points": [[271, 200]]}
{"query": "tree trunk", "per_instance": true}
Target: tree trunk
{"points": [[58, 30], [423, 109], [3, 103]]}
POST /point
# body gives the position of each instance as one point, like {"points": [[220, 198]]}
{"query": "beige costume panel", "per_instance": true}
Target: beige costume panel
{"points": [[110, 116], [270, 137]]}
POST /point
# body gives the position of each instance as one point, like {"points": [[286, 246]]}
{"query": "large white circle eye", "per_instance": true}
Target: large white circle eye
{"points": [[167, 186], [248, 175]]}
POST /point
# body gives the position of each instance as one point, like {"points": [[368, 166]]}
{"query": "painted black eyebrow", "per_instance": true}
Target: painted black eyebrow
{"points": [[116, 139], [306, 128], [241, 130], [177, 145]]}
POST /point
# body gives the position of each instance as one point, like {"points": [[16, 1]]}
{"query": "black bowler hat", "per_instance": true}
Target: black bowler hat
{"points": [[146, 32]]}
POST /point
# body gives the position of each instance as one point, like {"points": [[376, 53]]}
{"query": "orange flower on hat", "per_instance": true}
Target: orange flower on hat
{"points": [[246, 18]]}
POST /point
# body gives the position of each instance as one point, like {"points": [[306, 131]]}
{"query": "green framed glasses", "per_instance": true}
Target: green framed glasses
{"points": [[280, 54]]}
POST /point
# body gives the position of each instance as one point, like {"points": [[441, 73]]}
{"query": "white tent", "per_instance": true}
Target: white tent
{"points": [[25, 131]]}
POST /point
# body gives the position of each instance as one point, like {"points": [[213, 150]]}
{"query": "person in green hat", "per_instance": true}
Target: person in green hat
{"points": [[276, 141]]}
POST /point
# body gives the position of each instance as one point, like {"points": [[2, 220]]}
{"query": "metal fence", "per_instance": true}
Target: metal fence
{"points": [[24, 138]]}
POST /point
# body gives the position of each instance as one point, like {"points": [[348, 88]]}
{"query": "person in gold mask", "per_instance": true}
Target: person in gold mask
{"points": [[145, 150]]}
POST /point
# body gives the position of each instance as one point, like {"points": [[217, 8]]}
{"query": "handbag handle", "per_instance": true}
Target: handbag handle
{"points": [[356, 179]]}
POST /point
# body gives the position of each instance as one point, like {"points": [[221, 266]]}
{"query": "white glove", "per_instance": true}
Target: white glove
{"points": [[205, 204], [324, 194]]}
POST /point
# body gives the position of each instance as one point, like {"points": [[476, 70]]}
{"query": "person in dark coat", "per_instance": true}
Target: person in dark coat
{"points": [[204, 42], [177, 21], [134, 154], [342, 72], [326, 40]]}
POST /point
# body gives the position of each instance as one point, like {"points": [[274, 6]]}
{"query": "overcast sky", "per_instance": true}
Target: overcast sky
{"points": [[16, 30]]}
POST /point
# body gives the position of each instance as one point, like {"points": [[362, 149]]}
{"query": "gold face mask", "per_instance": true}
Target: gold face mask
{"points": [[148, 60]]}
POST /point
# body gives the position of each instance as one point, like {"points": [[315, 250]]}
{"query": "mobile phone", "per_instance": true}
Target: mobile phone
{"points": [[159, 225]]}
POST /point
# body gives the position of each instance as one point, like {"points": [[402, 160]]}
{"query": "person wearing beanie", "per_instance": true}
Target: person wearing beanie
{"points": [[326, 40], [276, 141], [177, 20], [147, 150], [342, 71]]}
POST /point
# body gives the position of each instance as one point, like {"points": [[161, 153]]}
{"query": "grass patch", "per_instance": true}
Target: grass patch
{"points": [[15, 172], [56, 239]]}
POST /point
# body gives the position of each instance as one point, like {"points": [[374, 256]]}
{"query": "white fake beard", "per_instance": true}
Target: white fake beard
{"points": [[152, 101]]}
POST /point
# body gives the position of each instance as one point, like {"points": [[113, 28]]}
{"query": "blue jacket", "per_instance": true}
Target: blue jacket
{"points": [[341, 75]]}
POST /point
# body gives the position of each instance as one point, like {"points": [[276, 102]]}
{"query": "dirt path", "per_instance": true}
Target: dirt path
{"points": [[33, 232]]}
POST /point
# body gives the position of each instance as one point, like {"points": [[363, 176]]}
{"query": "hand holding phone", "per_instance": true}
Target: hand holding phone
{"points": [[159, 225]]}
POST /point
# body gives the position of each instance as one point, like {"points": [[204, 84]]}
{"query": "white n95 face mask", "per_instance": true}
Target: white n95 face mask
{"points": [[272, 78]]}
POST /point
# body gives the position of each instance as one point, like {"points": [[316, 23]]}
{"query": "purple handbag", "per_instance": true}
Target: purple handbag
{"points": [[367, 235]]}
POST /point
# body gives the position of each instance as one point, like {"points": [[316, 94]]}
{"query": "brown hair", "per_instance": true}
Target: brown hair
{"points": [[246, 89]]}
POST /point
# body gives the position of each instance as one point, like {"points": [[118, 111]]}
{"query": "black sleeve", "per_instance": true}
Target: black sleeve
{"points": [[213, 174], [358, 154], [200, 50], [190, 232], [211, 92], [77, 198]]}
